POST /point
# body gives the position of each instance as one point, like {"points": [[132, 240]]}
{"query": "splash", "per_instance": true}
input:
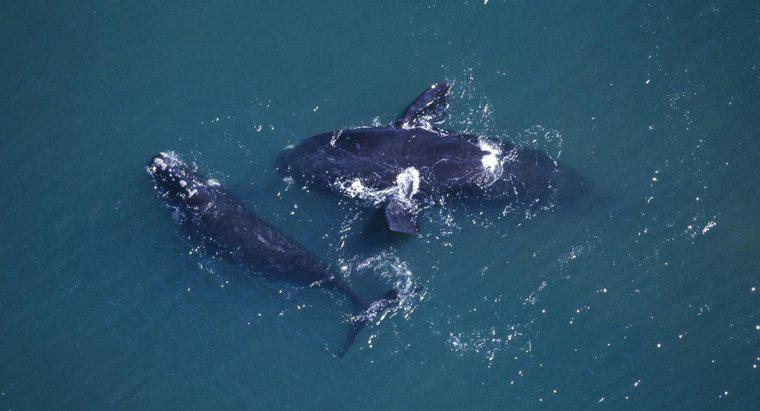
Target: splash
{"points": [[542, 138], [407, 186], [393, 272], [357, 188], [489, 342], [493, 162]]}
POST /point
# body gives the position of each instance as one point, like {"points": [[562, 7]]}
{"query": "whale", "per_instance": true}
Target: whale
{"points": [[411, 164], [223, 223]]}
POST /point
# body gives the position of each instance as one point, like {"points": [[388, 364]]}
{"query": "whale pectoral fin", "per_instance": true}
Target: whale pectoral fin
{"points": [[401, 217], [429, 106]]}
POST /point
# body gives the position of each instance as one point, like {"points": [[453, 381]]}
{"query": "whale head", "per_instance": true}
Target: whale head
{"points": [[177, 182]]}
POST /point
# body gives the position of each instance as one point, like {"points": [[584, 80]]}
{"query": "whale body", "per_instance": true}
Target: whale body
{"points": [[222, 222], [409, 165]]}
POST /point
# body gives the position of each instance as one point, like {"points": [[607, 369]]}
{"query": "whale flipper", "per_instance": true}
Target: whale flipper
{"points": [[401, 216], [430, 106]]}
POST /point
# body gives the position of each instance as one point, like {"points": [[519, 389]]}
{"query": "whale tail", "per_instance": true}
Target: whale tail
{"points": [[365, 314]]}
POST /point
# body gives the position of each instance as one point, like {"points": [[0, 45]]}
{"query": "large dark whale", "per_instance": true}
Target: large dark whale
{"points": [[410, 164], [224, 223]]}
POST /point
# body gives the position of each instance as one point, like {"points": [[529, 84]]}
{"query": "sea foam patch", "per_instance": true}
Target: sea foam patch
{"points": [[407, 185], [492, 162]]}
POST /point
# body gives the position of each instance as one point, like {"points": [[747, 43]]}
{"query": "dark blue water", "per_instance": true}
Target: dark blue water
{"points": [[640, 293]]}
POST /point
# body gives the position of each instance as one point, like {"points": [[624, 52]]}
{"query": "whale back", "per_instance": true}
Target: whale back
{"points": [[222, 221], [379, 164], [378, 155]]}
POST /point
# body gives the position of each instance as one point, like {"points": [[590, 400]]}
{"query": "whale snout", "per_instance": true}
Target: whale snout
{"points": [[175, 180], [164, 162], [169, 171], [157, 163]]}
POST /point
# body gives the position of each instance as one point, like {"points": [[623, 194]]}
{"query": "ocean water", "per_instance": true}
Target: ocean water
{"points": [[640, 293]]}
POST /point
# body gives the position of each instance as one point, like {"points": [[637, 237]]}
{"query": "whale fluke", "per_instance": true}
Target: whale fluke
{"points": [[364, 317], [430, 106]]}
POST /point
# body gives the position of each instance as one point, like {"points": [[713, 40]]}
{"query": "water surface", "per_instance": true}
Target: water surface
{"points": [[641, 293]]}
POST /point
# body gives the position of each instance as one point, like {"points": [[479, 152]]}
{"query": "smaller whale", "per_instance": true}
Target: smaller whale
{"points": [[222, 222], [410, 165]]}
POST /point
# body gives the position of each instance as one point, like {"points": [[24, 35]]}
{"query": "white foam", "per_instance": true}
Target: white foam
{"points": [[407, 185], [492, 162], [160, 163], [389, 267]]}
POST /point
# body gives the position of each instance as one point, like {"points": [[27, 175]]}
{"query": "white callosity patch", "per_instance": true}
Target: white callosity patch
{"points": [[171, 156], [160, 163], [190, 184], [165, 160], [156, 164]]}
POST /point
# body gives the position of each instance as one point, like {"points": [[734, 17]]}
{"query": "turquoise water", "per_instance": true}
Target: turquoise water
{"points": [[641, 293]]}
